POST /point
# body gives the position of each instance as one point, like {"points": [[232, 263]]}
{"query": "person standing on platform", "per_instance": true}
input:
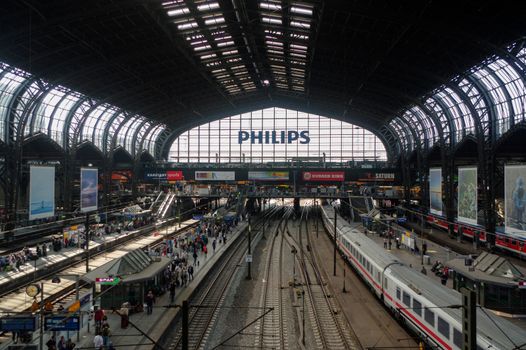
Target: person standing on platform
{"points": [[62, 343], [124, 313], [172, 292], [149, 302], [190, 273], [70, 345], [98, 342], [52, 343], [99, 315]]}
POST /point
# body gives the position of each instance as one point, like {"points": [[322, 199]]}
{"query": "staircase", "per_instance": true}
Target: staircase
{"points": [[165, 206]]}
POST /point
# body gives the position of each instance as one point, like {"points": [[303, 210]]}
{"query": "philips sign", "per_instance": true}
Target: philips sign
{"points": [[274, 137]]}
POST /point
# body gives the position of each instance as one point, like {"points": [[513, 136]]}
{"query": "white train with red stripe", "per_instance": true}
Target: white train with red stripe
{"points": [[415, 298]]}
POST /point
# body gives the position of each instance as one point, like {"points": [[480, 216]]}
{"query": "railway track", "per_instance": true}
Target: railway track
{"points": [[273, 325], [207, 302], [330, 329]]}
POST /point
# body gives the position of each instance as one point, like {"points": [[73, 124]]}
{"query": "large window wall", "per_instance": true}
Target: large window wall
{"points": [[218, 141]]}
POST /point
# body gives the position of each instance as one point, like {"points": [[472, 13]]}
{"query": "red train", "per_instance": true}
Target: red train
{"points": [[513, 244]]}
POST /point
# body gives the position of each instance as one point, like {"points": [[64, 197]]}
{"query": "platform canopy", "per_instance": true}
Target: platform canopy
{"points": [[185, 62]]}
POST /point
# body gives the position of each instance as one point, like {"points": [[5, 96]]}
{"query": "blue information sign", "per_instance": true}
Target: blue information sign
{"points": [[401, 220], [18, 323], [62, 323]]}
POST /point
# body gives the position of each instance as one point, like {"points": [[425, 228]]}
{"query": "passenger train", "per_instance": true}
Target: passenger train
{"points": [[421, 302], [506, 242]]}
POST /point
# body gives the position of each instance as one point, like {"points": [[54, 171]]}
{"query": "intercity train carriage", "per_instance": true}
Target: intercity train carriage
{"points": [[431, 310], [467, 230], [507, 242]]}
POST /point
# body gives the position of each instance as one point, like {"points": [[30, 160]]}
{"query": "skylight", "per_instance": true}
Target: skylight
{"points": [[204, 26]]}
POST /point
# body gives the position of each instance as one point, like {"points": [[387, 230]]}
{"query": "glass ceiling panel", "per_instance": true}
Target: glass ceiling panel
{"points": [[130, 134], [10, 80], [442, 118], [100, 126], [152, 139], [42, 116], [497, 95], [209, 37], [514, 84], [58, 121], [287, 28], [141, 133], [428, 125]]}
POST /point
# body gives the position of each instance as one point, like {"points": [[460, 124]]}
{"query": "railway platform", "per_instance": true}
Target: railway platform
{"points": [[18, 301], [33, 269], [155, 324]]}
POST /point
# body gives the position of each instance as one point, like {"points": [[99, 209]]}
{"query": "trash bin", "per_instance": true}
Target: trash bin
{"points": [[427, 260]]}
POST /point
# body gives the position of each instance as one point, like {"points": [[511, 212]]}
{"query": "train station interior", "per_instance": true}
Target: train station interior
{"points": [[272, 174]]}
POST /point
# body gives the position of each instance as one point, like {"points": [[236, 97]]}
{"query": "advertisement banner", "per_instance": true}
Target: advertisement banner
{"points": [[89, 181], [121, 176], [323, 176], [215, 175], [41, 192], [174, 175], [467, 195], [155, 176], [435, 191], [515, 198], [268, 175]]}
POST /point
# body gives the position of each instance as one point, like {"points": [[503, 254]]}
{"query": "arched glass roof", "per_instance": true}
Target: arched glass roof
{"points": [[493, 90], [35, 106]]}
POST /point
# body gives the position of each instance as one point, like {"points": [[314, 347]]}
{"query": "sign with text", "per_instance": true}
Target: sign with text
{"points": [[174, 175], [379, 177], [107, 281], [61, 323], [323, 176], [268, 175], [273, 136], [215, 175], [18, 323]]}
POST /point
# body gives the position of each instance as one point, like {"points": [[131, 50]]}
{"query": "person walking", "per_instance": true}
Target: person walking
{"points": [[149, 302], [385, 243]]}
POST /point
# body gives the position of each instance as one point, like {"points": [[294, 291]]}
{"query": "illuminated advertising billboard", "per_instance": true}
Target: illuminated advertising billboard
{"points": [[323, 176], [268, 175], [41, 192], [174, 175], [467, 195], [435, 191], [215, 175], [89, 182], [515, 198]]}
